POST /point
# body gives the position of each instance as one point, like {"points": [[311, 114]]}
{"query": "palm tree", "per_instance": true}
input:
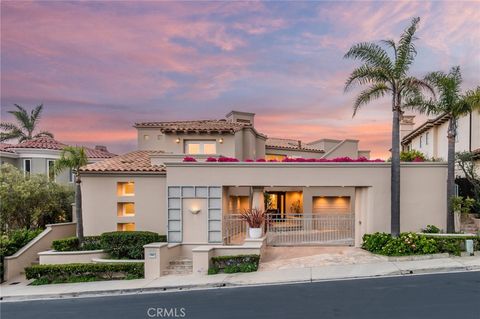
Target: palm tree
{"points": [[25, 127], [455, 104], [388, 75], [73, 158]]}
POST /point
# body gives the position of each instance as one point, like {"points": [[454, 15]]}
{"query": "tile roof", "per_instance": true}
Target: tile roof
{"points": [[425, 127], [94, 153], [289, 144], [195, 126], [5, 147], [43, 142], [48, 143], [137, 161]]}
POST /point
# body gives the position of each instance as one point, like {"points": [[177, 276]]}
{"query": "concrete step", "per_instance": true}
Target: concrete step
{"points": [[180, 262]]}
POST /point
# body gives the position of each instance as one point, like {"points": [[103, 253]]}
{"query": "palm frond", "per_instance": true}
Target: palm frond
{"points": [[35, 114], [6, 136], [374, 92], [371, 54], [21, 116], [366, 74], [406, 50], [72, 157], [391, 44], [43, 133]]}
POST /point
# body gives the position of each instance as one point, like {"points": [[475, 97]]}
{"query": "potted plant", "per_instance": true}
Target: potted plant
{"points": [[461, 208], [255, 219]]}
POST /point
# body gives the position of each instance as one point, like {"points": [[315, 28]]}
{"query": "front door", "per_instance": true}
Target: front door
{"points": [[276, 204]]}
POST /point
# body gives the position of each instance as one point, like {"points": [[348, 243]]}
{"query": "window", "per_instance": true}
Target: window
{"points": [[426, 138], [200, 147], [27, 167], [275, 157], [125, 226], [456, 138], [50, 170], [126, 209], [125, 189], [421, 141], [71, 177], [146, 137]]}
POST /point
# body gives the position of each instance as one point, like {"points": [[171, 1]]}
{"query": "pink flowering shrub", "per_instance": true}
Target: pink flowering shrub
{"points": [[249, 160], [211, 159], [189, 159], [227, 159], [261, 160]]}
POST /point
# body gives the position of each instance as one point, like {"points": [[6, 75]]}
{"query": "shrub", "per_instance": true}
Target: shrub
{"points": [[47, 274], [431, 229], [211, 159], [128, 244], [189, 159], [12, 242], [412, 156], [72, 244], [233, 264], [416, 244], [227, 159]]}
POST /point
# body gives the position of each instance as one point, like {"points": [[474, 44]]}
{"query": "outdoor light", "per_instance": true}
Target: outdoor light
{"points": [[177, 140], [195, 210], [220, 140]]}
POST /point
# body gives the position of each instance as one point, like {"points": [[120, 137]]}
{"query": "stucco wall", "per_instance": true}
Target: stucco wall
{"points": [[99, 198], [423, 187]]}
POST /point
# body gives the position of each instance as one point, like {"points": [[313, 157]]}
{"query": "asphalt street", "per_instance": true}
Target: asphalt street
{"points": [[455, 295]]}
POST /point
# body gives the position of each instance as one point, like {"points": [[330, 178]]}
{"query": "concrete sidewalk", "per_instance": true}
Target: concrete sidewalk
{"points": [[22, 291]]}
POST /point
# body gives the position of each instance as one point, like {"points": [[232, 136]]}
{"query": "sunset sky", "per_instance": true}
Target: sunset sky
{"points": [[98, 67]]}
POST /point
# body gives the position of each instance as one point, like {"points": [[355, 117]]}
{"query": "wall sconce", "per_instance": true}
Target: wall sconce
{"points": [[194, 211], [220, 140], [177, 140]]}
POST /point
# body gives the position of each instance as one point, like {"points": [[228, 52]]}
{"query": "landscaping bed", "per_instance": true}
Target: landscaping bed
{"points": [[417, 244], [118, 245], [234, 264], [69, 273]]}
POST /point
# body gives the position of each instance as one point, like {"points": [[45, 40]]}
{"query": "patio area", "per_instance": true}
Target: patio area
{"points": [[314, 256]]}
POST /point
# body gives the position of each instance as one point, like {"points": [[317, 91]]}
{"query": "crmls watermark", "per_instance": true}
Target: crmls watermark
{"points": [[164, 312]]}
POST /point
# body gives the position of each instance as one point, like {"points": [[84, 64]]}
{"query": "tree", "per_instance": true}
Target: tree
{"points": [[388, 75], [454, 104], [73, 158], [466, 162], [31, 202], [26, 125]]}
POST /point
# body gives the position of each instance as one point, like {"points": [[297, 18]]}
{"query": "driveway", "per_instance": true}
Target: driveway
{"points": [[314, 256]]}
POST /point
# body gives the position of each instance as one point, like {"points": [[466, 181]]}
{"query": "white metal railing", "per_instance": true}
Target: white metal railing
{"points": [[335, 229], [234, 229]]}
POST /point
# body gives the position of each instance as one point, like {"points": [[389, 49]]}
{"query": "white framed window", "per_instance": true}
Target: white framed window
{"points": [[125, 189], [50, 170], [421, 141], [126, 209], [201, 147], [427, 135], [146, 137], [27, 167], [71, 176]]}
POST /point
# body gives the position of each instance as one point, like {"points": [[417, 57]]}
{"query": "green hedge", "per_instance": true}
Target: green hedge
{"points": [[48, 274], [416, 244], [129, 244], [72, 244], [233, 264]]}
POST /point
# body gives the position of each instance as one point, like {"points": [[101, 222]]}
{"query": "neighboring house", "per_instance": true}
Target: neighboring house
{"points": [[197, 203], [430, 137], [37, 156]]}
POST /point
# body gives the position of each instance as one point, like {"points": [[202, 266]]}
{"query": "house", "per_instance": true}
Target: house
{"points": [[430, 137], [177, 183], [37, 156]]}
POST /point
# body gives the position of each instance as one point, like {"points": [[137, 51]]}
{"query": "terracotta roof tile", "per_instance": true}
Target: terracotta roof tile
{"points": [[195, 126], [45, 142], [284, 143], [49, 143], [5, 147], [137, 161]]}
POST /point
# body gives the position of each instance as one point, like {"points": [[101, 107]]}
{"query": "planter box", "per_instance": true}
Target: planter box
{"points": [[69, 257]]}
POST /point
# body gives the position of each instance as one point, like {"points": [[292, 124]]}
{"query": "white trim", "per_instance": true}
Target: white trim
{"points": [[23, 166], [37, 153]]}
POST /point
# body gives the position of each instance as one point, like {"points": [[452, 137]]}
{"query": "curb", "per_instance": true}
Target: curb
{"points": [[117, 292]]}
